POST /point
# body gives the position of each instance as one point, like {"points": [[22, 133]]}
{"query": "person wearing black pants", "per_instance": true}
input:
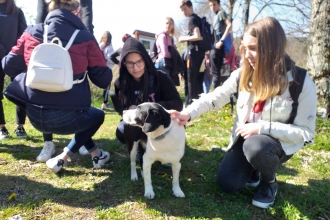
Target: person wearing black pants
{"points": [[259, 152], [271, 124], [86, 7], [221, 26], [195, 55], [12, 26]]}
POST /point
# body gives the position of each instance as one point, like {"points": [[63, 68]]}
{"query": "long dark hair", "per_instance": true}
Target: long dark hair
{"points": [[11, 7]]}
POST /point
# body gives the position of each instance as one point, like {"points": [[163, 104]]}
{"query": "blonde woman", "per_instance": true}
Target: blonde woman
{"points": [[265, 134], [68, 112], [163, 40]]}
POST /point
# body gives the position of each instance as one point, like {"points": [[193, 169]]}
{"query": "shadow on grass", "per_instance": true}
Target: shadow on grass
{"points": [[197, 180]]}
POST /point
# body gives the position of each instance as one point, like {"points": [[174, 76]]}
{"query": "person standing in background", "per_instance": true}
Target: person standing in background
{"points": [[12, 26], [163, 40], [107, 49], [85, 8], [195, 55], [221, 27]]}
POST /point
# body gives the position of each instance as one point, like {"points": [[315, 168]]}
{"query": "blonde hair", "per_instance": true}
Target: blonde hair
{"points": [[69, 5], [269, 77], [173, 30]]}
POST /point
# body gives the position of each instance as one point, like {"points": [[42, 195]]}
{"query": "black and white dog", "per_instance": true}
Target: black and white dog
{"points": [[134, 138], [166, 142]]}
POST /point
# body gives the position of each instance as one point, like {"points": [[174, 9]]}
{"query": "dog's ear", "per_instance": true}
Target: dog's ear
{"points": [[166, 117], [152, 121]]}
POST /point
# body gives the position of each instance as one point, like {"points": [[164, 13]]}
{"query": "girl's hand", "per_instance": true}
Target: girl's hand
{"points": [[247, 130], [181, 117]]}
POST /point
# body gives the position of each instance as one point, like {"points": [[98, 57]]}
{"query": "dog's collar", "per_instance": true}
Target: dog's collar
{"points": [[162, 136]]}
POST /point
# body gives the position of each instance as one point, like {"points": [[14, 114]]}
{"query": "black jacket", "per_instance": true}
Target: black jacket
{"points": [[178, 65], [154, 86]]}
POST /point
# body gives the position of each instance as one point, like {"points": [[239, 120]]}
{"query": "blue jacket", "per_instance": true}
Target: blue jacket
{"points": [[85, 55]]}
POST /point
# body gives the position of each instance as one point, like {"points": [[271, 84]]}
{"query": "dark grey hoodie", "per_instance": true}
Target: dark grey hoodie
{"points": [[11, 28]]}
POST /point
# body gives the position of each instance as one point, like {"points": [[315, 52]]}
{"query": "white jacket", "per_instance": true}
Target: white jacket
{"points": [[274, 115], [107, 52]]}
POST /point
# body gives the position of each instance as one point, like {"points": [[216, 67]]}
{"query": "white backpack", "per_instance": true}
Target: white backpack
{"points": [[50, 66]]}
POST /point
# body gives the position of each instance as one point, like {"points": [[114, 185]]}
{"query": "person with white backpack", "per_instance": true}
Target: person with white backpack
{"points": [[64, 106]]}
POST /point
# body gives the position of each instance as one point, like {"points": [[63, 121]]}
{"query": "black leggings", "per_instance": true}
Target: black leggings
{"points": [[20, 112], [261, 152]]}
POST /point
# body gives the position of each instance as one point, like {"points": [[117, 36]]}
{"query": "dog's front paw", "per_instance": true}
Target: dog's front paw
{"points": [[149, 194], [178, 193], [134, 176]]}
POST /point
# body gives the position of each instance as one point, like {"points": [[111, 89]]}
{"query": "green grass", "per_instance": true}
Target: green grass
{"points": [[79, 192]]}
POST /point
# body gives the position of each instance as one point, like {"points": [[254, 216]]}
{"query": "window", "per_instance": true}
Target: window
{"points": [[146, 44]]}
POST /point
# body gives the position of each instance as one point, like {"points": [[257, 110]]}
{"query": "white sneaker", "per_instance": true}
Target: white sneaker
{"points": [[55, 164], [83, 151], [47, 152], [99, 161]]}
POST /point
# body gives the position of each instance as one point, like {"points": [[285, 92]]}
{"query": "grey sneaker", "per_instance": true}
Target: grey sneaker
{"points": [[254, 179], [20, 132], [99, 161], [265, 194], [4, 133]]}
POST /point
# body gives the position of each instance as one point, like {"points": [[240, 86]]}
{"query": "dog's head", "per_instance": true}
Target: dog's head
{"points": [[149, 116]]}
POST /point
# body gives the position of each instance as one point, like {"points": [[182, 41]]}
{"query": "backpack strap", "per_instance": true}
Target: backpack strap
{"points": [[68, 45], [77, 81], [45, 33], [295, 89]]}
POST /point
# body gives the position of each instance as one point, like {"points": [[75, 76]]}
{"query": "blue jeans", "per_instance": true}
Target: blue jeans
{"points": [[207, 84], [160, 66], [83, 124], [261, 152]]}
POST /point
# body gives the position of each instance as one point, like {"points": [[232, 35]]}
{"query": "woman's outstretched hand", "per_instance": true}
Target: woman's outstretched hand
{"points": [[247, 130], [181, 117]]}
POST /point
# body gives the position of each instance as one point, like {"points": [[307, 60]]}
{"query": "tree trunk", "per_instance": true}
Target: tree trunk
{"points": [[230, 9], [318, 65], [246, 13]]}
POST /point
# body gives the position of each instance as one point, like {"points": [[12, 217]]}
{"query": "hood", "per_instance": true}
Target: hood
{"points": [[62, 17], [132, 45]]}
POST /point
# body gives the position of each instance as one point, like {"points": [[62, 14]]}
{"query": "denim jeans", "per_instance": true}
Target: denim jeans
{"points": [[83, 124], [160, 66], [261, 152], [207, 82]]}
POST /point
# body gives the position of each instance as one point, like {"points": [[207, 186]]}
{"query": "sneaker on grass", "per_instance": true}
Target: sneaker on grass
{"points": [[20, 132], [99, 161], [47, 152], [4, 134], [265, 194], [106, 105], [55, 164]]}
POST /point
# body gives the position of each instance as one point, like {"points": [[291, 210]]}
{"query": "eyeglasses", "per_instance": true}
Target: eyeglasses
{"points": [[139, 63]]}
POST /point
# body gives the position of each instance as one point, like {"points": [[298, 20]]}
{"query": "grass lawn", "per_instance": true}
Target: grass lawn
{"points": [[31, 190]]}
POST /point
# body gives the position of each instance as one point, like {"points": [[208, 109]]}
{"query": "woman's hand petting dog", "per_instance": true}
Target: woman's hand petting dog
{"points": [[181, 117]]}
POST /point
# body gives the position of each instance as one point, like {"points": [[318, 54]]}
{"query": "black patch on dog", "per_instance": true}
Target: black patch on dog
{"points": [[152, 116]]}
